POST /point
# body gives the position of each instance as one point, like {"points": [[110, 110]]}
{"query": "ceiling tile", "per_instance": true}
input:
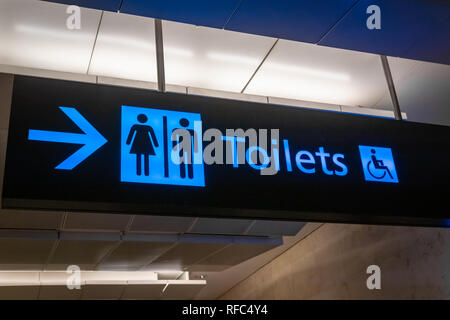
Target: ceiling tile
{"points": [[96, 221], [125, 48], [422, 90], [34, 34], [275, 228], [403, 23], [85, 254], [133, 255], [110, 5], [28, 219], [161, 224], [24, 254], [210, 58], [305, 21], [185, 254], [233, 255], [220, 226], [309, 72], [433, 46], [198, 12]]}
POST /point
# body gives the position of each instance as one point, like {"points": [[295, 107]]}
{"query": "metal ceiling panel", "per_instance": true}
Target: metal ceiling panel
{"points": [[85, 254], [411, 29], [221, 226], [27, 219], [125, 48], [188, 251], [133, 255], [108, 5], [199, 12], [36, 36], [434, 47], [275, 228], [404, 24], [95, 221], [422, 90], [161, 224], [210, 58], [235, 254], [306, 21], [304, 71], [24, 253]]}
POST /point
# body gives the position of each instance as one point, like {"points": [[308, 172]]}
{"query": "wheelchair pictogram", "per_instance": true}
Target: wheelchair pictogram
{"points": [[378, 164]]}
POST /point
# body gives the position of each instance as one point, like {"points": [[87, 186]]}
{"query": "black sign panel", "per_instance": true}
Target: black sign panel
{"points": [[78, 146]]}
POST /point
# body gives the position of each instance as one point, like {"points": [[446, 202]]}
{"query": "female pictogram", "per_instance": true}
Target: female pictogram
{"points": [[144, 143]]}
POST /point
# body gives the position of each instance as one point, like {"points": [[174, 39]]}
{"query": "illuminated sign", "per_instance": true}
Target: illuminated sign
{"points": [[91, 139], [79, 146], [306, 162], [146, 147], [145, 160], [378, 164]]}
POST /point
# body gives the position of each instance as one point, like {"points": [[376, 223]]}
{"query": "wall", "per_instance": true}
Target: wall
{"points": [[331, 264], [6, 84]]}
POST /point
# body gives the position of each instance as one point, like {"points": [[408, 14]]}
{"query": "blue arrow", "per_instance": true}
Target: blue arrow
{"points": [[91, 139]]}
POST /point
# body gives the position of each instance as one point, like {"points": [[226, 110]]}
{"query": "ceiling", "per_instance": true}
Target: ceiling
{"points": [[42, 249], [31, 285], [115, 45], [415, 29], [122, 46]]}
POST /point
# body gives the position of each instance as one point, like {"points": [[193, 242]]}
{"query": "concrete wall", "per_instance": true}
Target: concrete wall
{"points": [[331, 264]]}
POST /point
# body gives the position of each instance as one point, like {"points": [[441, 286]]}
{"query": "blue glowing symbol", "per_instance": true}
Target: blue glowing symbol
{"points": [[150, 147], [378, 164], [91, 139]]}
